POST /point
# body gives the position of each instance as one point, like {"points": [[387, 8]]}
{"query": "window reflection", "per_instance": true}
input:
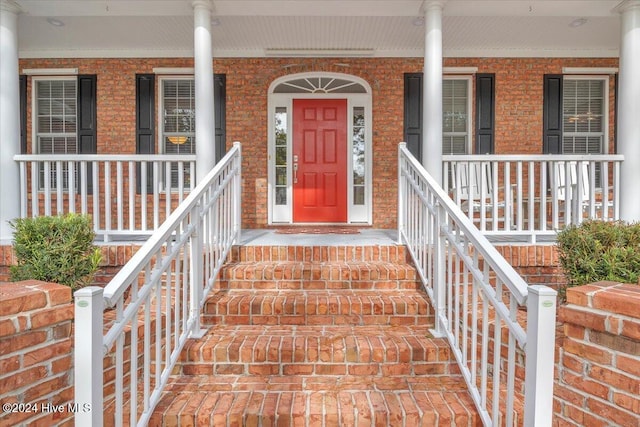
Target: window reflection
{"points": [[281, 155], [358, 156]]}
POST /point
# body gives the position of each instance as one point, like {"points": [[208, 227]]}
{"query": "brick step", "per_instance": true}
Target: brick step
{"points": [[308, 350], [327, 307], [315, 401], [318, 275], [361, 253]]}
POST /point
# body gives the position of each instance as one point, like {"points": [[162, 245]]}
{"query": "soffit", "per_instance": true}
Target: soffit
{"points": [[470, 28]]}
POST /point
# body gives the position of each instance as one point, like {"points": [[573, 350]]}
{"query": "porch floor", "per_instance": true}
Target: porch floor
{"points": [[365, 237]]}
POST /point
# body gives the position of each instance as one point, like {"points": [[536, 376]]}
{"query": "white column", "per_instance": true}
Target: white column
{"points": [[629, 109], [203, 76], [432, 91], [9, 116]]}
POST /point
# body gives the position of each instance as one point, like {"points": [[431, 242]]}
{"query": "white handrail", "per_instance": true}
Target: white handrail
{"points": [[117, 190], [476, 296], [527, 196], [156, 301]]}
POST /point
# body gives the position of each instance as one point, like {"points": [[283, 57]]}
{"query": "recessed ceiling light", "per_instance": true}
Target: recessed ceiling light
{"points": [[55, 22], [578, 22], [418, 21], [215, 22]]}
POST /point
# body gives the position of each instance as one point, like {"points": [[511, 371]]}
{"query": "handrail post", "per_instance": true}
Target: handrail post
{"points": [[439, 266], [541, 332], [196, 261], [237, 194], [88, 356], [401, 146]]}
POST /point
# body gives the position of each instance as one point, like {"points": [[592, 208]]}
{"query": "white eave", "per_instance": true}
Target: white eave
{"points": [[257, 28]]}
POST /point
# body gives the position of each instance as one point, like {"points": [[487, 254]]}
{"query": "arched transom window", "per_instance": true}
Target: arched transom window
{"points": [[314, 84]]}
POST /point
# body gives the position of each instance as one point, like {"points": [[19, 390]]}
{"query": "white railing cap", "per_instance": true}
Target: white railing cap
{"points": [[104, 157], [532, 157]]}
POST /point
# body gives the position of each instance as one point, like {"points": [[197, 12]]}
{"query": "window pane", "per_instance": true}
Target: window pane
{"points": [[281, 195], [281, 156], [358, 159], [454, 144], [180, 144], [281, 176], [178, 103], [455, 101], [358, 195], [583, 109], [280, 127]]}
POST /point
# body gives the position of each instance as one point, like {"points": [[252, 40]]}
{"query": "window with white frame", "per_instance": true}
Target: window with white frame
{"points": [[178, 122], [456, 123], [55, 127], [584, 115]]}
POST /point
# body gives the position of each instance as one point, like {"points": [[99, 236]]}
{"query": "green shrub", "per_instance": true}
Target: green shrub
{"points": [[598, 250], [55, 249]]}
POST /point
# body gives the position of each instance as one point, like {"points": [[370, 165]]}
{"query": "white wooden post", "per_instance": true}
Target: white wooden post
{"points": [[196, 277], [541, 341], [629, 109], [9, 117], [401, 146], [237, 195], [203, 80], [439, 266], [88, 355], [432, 91]]}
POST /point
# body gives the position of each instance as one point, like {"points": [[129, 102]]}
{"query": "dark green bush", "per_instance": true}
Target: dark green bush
{"points": [[55, 249], [598, 250]]}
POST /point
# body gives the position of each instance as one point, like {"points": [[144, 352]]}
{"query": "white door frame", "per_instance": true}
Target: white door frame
{"points": [[283, 213]]}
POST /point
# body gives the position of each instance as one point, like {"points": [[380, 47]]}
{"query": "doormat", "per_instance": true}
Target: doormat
{"points": [[317, 230]]}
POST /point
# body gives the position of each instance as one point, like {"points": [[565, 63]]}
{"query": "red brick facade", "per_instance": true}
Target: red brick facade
{"points": [[518, 111]]}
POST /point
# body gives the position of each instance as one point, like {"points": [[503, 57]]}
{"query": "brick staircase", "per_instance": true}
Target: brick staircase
{"points": [[317, 336]]}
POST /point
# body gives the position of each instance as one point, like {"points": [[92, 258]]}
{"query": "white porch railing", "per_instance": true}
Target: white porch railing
{"points": [[477, 296], [154, 303], [126, 195], [533, 195]]}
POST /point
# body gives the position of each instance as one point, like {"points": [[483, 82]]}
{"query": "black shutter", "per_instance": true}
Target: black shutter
{"points": [[413, 113], [220, 100], [23, 114], [552, 114], [485, 113], [145, 124], [87, 120]]}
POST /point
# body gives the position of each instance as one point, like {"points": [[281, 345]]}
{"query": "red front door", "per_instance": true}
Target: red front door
{"points": [[320, 160]]}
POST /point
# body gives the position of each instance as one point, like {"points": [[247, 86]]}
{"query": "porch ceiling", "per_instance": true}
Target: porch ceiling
{"points": [[151, 28]]}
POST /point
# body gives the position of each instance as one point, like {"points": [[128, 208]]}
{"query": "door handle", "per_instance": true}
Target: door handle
{"points": [[295, 173]]}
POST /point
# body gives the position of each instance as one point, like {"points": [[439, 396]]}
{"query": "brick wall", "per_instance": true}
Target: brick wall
{"points": [[598, 371], [518, 108], [36, 358], [537, 264]]}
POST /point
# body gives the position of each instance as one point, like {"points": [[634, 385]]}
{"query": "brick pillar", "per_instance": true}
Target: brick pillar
{"points": [[36, 353], [598, 371]]}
